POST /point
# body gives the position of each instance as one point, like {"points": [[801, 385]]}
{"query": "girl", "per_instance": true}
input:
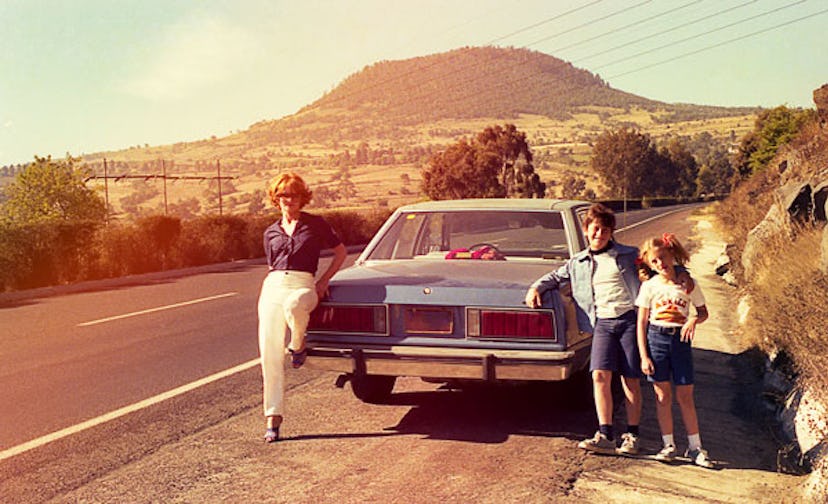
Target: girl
{"points": [[665, 332]]}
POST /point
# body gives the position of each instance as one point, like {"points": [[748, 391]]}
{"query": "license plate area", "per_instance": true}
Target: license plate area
{"points": [[428, 320]]}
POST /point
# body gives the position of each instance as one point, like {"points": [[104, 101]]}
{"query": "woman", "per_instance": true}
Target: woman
{"points": [[290, 291]]}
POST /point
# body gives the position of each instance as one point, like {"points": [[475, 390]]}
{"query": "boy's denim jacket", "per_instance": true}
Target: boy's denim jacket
{"points": [[578, 272]]}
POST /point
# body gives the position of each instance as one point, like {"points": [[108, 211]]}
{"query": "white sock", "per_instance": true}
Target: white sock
{"points": [[694, 441], [668, 440]]}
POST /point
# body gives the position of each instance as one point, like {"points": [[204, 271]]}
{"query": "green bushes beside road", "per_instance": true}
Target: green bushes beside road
{"points": [[67, 251]]}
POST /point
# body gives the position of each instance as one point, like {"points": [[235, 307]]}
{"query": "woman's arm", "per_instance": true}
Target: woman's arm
{"points": [[339, 257]]}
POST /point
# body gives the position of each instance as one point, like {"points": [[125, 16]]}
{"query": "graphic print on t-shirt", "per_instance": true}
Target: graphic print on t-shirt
{"points": [[670, 310], [668, 303]]}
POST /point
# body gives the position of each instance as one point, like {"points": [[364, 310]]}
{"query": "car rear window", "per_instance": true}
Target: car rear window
{"points": [[434, 234]]}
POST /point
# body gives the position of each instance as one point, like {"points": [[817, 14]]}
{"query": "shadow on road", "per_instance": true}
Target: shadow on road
{"points": [[490, 414], [735, 420]]}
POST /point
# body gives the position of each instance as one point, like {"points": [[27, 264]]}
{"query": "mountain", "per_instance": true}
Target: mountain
{"points": [[471, 83], [380, 126]]}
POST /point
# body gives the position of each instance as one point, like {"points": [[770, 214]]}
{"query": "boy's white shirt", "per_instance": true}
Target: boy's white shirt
{"points": [[611, 297], [668, 303]]}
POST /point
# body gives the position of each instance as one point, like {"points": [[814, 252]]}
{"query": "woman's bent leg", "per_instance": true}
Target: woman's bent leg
{"points": [[298, 306]]}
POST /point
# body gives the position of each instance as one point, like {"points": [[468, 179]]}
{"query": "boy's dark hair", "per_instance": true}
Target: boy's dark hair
{"points": [[602, 214]]}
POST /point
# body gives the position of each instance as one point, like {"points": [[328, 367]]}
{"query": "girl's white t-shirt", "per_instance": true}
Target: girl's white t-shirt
{"points": [[668, 303]]}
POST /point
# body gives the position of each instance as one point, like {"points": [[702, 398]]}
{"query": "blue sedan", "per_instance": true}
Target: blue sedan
{"points": [[438, 293]]}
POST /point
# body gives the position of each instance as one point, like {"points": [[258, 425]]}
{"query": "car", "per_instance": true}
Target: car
{"points": [[438, 293]]}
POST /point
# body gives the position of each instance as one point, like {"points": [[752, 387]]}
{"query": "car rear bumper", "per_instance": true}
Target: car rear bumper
{"points": [[448, 363]]}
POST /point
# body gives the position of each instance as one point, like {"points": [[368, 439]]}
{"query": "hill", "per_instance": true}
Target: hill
{"points": [[366, 140]]}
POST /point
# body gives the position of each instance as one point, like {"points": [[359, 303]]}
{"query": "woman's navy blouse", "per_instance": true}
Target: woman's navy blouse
{"points": [[299, 252]]}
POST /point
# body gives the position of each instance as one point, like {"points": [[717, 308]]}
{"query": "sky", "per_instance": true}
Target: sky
{"points": [[84, 76]]}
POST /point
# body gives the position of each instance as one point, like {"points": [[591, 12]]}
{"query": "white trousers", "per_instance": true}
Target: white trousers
{"points": [[285, 304]]}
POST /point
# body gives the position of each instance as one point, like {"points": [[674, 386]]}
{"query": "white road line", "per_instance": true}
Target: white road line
{"points": [[106, 417], [665, 214], [160, 308]]}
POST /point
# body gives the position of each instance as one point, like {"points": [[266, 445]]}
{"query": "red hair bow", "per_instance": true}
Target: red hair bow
{"points": [[667, 239]]}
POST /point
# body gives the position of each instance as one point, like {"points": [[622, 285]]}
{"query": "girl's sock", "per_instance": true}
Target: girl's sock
{"points": [[694, 441], [668, 440]]}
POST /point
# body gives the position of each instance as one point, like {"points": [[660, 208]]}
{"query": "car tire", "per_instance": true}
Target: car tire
{"points": [[373, 389]]}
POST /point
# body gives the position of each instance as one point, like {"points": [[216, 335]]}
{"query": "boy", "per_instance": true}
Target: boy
{"points": [[605, 283]]}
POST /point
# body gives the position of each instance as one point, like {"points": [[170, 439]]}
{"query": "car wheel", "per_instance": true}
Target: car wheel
{"points": [[373, 389]]}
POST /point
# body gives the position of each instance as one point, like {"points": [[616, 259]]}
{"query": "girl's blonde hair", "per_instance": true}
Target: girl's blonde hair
{"points": [[668, 241], [288, 182]]}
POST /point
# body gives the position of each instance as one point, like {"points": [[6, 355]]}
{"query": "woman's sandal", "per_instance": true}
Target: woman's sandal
{"points": [[298, 358], [271, 435]]}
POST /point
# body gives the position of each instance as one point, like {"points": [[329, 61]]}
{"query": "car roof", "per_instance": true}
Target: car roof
{"points": [[493, 204]]}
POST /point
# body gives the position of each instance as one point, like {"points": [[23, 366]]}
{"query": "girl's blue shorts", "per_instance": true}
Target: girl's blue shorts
{"points": [[671, 357]]}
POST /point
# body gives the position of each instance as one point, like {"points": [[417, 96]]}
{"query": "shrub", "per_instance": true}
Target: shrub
{"points": [[50, 253], [213, 239], [788, 304], [354, 228], [45, 253]]}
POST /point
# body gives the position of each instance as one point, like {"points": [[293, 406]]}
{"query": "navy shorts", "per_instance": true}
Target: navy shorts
{"points": [[614, 347], [672, 358]]}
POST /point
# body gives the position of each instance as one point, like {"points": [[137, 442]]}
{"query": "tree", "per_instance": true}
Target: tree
{"points": [[463, 171], [627, 162], [573, 187], [682, 170], [773, 128], [497, 163], [517, 175], [363, 154], [346, 188], [52, 190], [715, 177]]}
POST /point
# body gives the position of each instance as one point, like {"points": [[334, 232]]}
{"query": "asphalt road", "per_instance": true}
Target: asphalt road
{"points": [[71, 358]]}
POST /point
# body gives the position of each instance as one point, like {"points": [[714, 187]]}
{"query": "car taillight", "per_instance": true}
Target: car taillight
{"points": [[364, 319], [535, 324]]}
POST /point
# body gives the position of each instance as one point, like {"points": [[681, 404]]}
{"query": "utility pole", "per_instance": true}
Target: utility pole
{"points": [[218, 178], [106, 192], [164, 167], [163, 176]]}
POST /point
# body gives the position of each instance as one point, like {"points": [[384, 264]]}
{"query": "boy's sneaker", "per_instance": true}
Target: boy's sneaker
{"points": [[667, 454], [700, 458], [598, 444], [629, 444]]}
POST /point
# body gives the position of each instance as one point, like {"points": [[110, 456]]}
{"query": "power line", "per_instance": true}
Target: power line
{"points": [[493, 91], [420, 69], [713, 46], [496, 89], [471, 67], [545, 21], [574, 28], [620, 28], [718, 13], [702, 34], [668, 30]]}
